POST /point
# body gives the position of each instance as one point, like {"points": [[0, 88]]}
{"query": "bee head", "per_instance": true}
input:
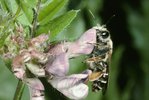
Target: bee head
{"points": [[103, 35]]}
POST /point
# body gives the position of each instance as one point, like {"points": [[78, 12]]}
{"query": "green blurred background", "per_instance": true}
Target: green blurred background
{"points": [[129, 70]]}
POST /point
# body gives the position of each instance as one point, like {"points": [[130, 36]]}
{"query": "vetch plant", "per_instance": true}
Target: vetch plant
{"points": [[18, 27], [53, 65], [29, 54]]}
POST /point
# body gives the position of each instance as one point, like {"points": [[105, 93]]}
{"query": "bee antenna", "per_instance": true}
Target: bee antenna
{"points": [[110, 19]]}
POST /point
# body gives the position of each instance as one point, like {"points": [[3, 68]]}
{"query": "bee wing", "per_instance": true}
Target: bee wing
{"points": [[94, 76]]}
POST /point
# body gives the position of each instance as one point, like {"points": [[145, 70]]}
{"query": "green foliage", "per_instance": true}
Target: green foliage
{"points": [[50, 10], [6, 26], [8, 83], [26, 8], [58, 24]]}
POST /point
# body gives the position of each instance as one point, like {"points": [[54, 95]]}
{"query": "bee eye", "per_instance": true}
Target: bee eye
{"points": [[105, 34]]}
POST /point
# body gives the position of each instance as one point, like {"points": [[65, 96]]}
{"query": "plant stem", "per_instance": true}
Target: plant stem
{"points": [[19, 90], [35, 16]]}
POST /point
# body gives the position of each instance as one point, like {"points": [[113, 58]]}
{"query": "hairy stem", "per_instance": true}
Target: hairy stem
{"points": [[19, 90], [35, 16]]}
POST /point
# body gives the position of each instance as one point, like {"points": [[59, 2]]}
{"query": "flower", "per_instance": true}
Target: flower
{"points": [[72, 86], [58, 65], [83, 45], [53, 64], [36, 88]]}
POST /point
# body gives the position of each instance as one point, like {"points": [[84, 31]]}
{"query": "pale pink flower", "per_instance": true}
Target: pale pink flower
{"points": [[83, 45], [54, 65], [58, 65], [36, 88], [72, 86]]}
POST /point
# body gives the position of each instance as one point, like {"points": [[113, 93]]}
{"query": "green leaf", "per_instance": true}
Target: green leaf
{"points": [[7, 82], [58, 24], [47, 13], [2, 39], [9, 5], [26, 8], [3, 5], [6, 26]]}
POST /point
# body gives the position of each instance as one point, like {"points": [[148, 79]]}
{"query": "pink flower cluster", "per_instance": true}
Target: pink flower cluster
{"points": [[54, 65]]}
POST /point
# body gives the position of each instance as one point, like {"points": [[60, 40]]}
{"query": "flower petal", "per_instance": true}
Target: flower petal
{"points": [[84, 45], [19, 72], [57, 49], [39, 40], [79, 91], [39, 56], [18, 65], [72, 86], [68, 81], [34, 83], [59, 65], [36, 88], [36, 69]]}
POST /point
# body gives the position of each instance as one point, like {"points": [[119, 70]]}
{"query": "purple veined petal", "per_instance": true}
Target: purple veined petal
{"points": [[68, 81], [76, 92], [36, 94], [37, 41], [18, 66], [34, 83], [25, 54], [84, 45], [39, 56], [58, 66], [72, 86], [58, 49], [89, 36], [36, 69], [36, 88], [19, 72]]}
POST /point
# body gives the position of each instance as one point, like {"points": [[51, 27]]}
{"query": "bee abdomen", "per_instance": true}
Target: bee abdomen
{"points": [[101, 83]]}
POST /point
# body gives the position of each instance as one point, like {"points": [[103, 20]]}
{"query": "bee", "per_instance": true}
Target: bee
{"points": [[98, 61]]}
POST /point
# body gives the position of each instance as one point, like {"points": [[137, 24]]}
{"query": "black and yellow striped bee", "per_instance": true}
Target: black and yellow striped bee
{"points": [[99, 59]]}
